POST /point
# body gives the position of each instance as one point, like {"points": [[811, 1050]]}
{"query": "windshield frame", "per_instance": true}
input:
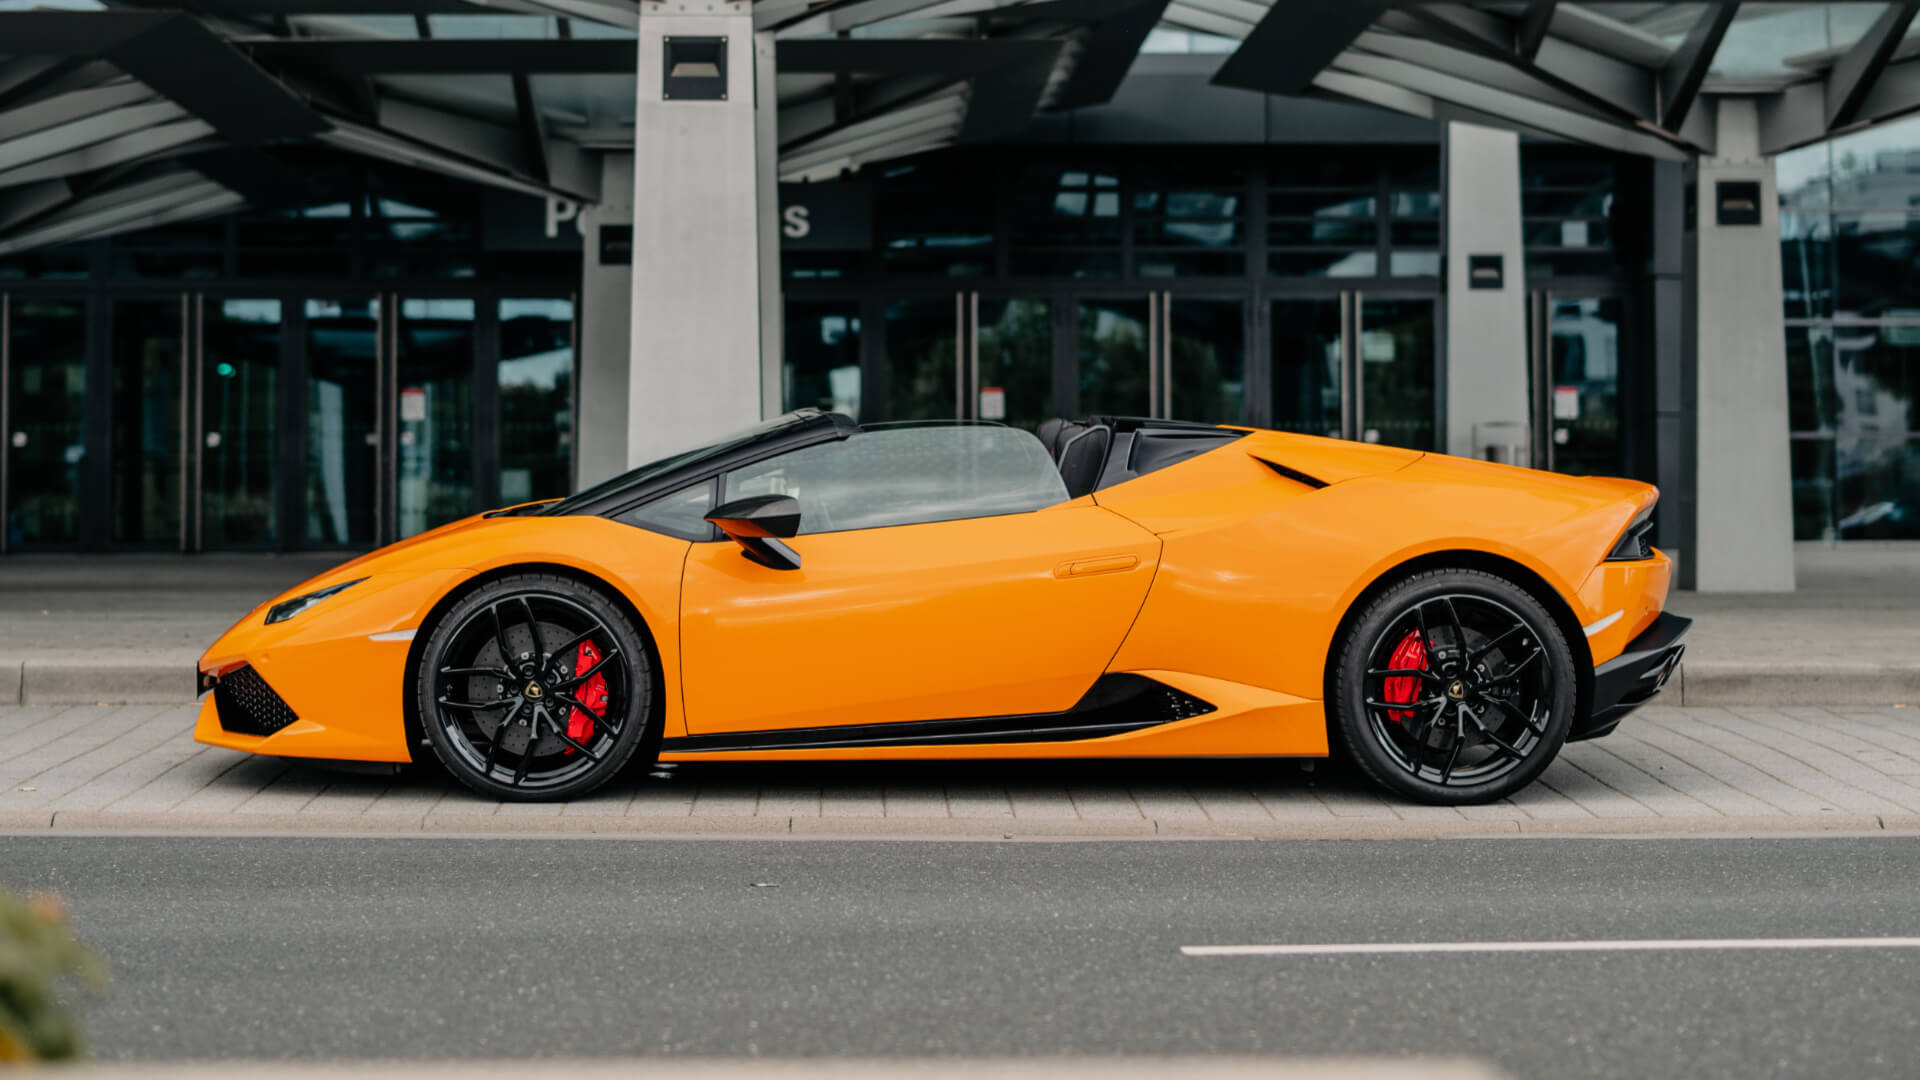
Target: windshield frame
{"points": [[788, 431]]}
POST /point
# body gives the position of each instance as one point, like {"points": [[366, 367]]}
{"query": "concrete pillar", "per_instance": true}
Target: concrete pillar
{"points": [[1663, 341], [1743, 497], [1486, 323], [696, 368], [606, 328]]}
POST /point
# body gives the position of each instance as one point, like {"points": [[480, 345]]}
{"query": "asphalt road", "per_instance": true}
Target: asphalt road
{"points": [[227, 947]]}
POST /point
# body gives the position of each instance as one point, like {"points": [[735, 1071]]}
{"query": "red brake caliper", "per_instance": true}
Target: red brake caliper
{"points": [[592, 694], [1409, 655]]}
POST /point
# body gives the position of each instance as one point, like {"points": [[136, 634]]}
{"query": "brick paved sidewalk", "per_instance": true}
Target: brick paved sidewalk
{"points": [[1666, 770]]}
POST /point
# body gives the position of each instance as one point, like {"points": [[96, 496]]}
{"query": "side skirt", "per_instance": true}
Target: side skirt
{"points": [[1115, 705]]}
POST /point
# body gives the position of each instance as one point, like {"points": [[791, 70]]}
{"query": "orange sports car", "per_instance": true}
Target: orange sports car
{"points": [[813, 588]]}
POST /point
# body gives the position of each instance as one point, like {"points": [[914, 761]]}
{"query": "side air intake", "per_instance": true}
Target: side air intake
{"points": [[248, 706]]}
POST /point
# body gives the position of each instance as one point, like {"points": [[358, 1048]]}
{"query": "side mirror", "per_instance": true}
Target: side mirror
{"points": [[756, 524]]}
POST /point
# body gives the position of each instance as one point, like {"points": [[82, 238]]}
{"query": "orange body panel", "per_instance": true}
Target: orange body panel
{"points": [[1225, 575], [1271, 583], [1624, 598], [984, 617]]}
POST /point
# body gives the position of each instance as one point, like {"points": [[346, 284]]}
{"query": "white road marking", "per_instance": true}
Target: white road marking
{"points": [[1598, 625], [393, 635], [1675, 945]]}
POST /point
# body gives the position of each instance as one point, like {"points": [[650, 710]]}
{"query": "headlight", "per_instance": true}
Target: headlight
{"points": [[1633, 545], [287, 609]]}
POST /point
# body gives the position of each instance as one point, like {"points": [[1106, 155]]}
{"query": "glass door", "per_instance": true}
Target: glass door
{"points": [[1019, 359], [951, 356], [820, 365], [536, 399], [1395, 404], [1355, 367], [240, 372], [1307, 380], [1204, 373], [924, 376], [1574, 343], [148, 444], [44, 412], [1010, 354], [343, 488], [1117, 349], [433, 410]]}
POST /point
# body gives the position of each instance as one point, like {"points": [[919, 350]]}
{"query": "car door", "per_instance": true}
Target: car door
{"points": [[1010, 601]]}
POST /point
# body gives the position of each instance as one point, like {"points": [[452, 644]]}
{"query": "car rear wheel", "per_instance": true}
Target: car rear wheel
{"points": [[535, 687], [1453, 687]]}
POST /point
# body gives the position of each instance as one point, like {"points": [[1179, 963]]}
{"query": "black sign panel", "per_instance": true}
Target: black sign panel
{"points": [[835, 216], [1486, 272], [616, 245], [1736, 202], [695, 69]]}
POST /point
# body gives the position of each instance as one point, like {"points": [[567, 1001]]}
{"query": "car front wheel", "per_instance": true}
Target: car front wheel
{"points": [[535, 687]]}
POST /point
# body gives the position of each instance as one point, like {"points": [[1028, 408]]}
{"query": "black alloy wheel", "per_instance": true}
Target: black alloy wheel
{"points": [[536, 687], [1454, 687]]}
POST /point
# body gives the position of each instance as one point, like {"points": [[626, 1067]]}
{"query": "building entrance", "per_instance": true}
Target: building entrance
{"points": [[295, 421]]}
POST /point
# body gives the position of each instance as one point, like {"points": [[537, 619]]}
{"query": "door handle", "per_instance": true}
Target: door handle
{"points": [[1105, 564]]}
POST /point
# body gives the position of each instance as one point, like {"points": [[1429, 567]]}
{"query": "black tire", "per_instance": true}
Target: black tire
{"points": [[1472, 729], [522, 683]]}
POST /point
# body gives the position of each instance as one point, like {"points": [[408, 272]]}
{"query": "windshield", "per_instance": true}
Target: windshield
{"points": [[637, 476]]}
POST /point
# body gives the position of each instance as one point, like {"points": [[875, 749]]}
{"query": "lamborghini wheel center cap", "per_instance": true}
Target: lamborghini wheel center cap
{"points": [[534, 692], [1455, 690]]}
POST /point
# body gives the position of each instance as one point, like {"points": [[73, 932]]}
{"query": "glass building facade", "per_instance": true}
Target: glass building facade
{"points": [[1850, 255], [331, 376]]}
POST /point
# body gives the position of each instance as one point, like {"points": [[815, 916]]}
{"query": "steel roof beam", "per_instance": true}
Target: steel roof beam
{"points": [[533, 129], [1296, 41], [1511, 108], [442, 56], [175, 196], [1854, 73], [1602, 81], [909, 56], [29, 201], [1485, 70], [1534, 23], [1116, 30], [142, 144], [1002, 102], [1680, 80]]}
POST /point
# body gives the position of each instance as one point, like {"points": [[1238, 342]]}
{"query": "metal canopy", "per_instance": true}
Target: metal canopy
{"points": [[1628, 76], [104, 114]]}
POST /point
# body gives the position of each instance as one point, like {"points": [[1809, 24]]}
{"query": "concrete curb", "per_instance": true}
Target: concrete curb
{"points": [[1719, 682], [28, 822], [1096, 1068], [55, 681], [169, 681]]}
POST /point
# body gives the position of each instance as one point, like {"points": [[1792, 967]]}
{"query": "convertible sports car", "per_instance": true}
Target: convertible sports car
{"points": [[816, 589]]}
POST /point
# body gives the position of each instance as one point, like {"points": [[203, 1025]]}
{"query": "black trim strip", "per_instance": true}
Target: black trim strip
{"points": [[1115, 705]]}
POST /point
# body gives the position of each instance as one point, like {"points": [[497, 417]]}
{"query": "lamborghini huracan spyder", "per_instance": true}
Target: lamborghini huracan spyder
{"points": [[812, 588]]}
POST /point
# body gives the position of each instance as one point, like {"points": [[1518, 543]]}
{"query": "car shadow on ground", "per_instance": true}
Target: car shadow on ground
{"points": [[747, 786]]}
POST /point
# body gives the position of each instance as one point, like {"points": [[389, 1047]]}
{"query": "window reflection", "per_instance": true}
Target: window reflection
{"points": [[536, 399], [1850, 249], [342, 396]]}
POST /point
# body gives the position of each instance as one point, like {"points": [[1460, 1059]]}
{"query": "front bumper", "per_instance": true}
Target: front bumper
{"points": [[1631, 679]]}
